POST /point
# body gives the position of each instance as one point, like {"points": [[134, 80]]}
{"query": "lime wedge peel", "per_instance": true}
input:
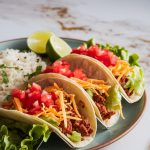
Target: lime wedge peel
{"points": [[37, 41], [57, 48]]}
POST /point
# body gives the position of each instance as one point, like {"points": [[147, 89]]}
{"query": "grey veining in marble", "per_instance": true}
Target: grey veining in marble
{"points": [[72, 19]]}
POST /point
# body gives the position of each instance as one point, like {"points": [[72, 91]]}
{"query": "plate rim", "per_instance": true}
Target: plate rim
{"points": [[130, 128]]}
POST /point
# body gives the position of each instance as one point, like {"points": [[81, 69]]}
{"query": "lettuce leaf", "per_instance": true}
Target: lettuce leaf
{"points": [[75, 136], [135, 81], [113, 101], [134, 60], [90, 93], [121, 52], [14, 137], [89, 43]]}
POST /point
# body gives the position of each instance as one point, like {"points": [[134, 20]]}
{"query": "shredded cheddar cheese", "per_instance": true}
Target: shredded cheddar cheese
{"points": [[122, 68], [63, 108], [75, 106], [17, 104], [66, 103], [93, 85]]}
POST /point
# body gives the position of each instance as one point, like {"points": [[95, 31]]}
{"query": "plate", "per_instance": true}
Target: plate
{"points": [[132, 112]]}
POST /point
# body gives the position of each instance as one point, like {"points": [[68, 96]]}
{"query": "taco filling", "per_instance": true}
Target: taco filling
{"points": [[53, 105], [106, 97], [124, 68]]}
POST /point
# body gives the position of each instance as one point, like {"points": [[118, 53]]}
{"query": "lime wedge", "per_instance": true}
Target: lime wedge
{"points": [[37, 41], [57, 48]]}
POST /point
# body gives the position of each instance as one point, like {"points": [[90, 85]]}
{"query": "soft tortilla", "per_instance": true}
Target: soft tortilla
{"points": [[69, 87], [93, 70]]}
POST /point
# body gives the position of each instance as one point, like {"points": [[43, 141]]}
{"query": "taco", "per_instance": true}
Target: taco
{"points": [[124, 69], [60, 104], [104, 94]]}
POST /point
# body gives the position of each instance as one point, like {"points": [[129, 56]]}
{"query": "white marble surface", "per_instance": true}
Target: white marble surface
{"points": [[126, 23]]}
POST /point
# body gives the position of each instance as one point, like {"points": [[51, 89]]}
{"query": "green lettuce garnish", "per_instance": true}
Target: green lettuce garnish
{"points": [[113, 101], [135, 81], [20, 136], [75, 136], [89, 43], [134, 60], [119, 51], [122, 53], [90, 93]]}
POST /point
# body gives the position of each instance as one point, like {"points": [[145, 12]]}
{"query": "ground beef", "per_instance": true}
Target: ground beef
{"points": [[127, 92], [67, 130], [99, 98], [100, 103], [83, 127], [123, 82]]}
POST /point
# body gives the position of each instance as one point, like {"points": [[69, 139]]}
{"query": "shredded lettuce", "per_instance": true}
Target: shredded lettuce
{"points": [[90, 93], [75, 136], [20, 136], [135, 81], [134, 60], [113, 101]]}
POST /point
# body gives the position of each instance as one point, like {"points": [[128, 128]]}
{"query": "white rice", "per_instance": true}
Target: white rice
{"points": [[26, 62]]}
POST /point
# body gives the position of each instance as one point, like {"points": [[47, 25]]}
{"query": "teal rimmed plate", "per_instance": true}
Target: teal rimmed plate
{"points": [[132, 112]]}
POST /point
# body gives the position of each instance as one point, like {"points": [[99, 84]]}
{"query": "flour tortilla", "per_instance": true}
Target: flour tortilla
{"points": [[130, 99], [69, 87], [93, 70], [106, 74]]}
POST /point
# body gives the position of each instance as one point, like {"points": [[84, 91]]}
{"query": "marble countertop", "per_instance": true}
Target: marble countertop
{"points": [[125, 23]]}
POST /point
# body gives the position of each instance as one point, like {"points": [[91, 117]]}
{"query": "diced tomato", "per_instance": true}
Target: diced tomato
{"points": [[33, 98], [54, 96], [113, 58], [36, 104], [35, 95], [32, 94], [62, 67], [107, 58], [78, 73], [34, 110], [48, 69], [75, 50], [46, 98], [35, 87], [103, 55], [18, 94], [27, 103], [93, 51], [27, 92], [56, 107]]}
